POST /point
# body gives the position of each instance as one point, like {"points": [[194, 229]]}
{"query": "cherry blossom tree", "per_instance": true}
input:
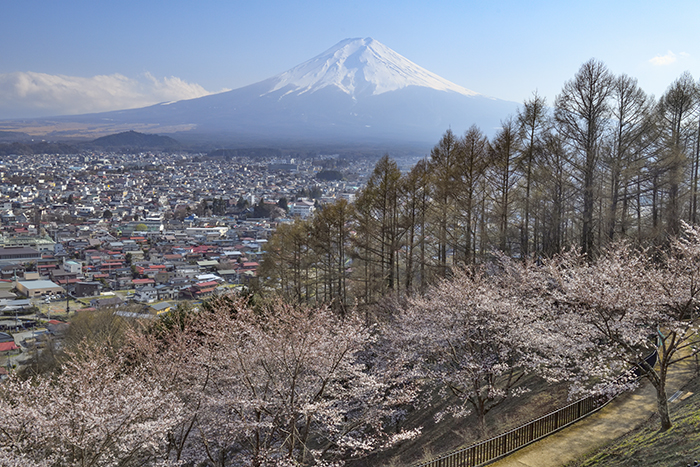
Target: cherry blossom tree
{"points": [[463, 336], [594, 321], [679, 301], [272, 385], [96, 412], [598, 320]]}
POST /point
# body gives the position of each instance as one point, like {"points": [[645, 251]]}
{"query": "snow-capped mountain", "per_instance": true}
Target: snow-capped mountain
{"points": [[358, 67], [358, 92]]}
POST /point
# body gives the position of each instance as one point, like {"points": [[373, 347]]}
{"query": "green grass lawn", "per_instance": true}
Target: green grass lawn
{"points": [[647, 446]]}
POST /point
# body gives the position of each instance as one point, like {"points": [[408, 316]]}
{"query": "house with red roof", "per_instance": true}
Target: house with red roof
{"points": [[201, 289], [9, 348]]}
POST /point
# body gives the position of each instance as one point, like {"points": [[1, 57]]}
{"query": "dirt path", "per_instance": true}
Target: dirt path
{"points": [[614, 420]]}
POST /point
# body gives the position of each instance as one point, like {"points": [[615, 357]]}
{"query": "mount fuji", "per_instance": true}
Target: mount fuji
{"points": [[357, 92]]}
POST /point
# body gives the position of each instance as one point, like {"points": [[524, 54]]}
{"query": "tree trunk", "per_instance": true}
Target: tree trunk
{"points": [[662, 403]]}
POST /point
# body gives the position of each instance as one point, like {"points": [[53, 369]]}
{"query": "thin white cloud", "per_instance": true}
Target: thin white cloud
{"points": [[30, 94], [663, 60]]}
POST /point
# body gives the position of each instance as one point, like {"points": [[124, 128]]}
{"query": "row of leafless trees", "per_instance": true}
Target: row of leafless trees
{"points": [[265, 383], [606, 162]]}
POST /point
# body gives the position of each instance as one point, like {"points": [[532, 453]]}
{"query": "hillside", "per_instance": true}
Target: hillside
{"points": [[134, 140], [12, 136], [452, 433], [42, 147], [648, 447], [129, 140]]}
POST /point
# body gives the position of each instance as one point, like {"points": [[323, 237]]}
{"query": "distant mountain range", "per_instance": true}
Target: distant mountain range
{"points": [[125, 141], [358, 92]]}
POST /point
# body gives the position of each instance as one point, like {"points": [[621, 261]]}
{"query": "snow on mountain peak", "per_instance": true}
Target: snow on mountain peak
{"points": [[357, 67]]}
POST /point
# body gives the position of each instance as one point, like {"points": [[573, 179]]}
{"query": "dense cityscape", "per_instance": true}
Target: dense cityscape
{"points": [[115, 230]]}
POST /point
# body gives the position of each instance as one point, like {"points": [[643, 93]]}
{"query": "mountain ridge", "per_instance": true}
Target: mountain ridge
{"points": [[357, 92]]}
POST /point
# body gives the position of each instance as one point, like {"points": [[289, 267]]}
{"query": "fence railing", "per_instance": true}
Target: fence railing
{"points": [[515, 439], [510, 441]]}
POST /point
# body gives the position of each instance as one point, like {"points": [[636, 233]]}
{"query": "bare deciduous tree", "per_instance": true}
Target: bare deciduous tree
{"points": [[582, 111]]}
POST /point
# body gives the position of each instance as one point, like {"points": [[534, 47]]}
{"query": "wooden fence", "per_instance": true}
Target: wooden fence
{"points": [[506, 443]]}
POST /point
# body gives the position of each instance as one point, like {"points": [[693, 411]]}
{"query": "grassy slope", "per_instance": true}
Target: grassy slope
{"points": [[649, 447], [452, 433]]}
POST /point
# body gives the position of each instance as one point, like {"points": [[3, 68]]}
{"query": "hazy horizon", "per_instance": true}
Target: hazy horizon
{"points": [[82, 57]]}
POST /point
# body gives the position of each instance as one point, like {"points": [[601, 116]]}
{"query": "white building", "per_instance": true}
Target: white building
{"points": [[207, 231], [31, 289], [73, 267], [302, 208]]}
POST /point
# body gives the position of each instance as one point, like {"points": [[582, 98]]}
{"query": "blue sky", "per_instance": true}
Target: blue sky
{"points": [[83, 56]]}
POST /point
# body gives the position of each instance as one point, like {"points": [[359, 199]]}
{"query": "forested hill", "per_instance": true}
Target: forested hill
{"points": [[43, 147], [12, 136], [135, 140], [129, 140]]}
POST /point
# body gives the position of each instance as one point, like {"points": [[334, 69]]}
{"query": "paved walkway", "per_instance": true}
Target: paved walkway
{"points": [[617, 418]]}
